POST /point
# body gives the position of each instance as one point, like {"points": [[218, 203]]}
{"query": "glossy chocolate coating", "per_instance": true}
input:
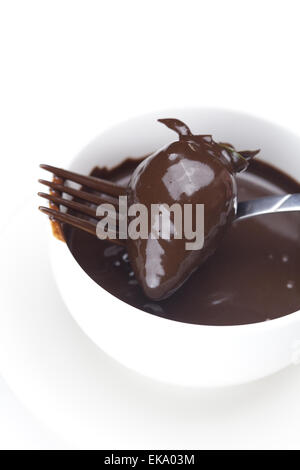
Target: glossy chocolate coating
{"points": [[254, 275], [192, 170]]}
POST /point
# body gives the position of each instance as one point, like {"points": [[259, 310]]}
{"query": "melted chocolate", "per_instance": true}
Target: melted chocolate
{"points": [[192, 170], [253, 276]]}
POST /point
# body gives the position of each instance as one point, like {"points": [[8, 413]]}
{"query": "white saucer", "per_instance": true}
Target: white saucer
{"points": [[92, 401]]}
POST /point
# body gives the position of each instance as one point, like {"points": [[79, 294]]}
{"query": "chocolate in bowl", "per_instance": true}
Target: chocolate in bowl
{"points": [[256, 268], [178, 352]]}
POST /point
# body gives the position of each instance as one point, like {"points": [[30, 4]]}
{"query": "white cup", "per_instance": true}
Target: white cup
{"points": [[181, 353]]}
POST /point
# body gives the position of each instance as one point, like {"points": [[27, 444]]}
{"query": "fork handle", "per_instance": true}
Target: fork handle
{"points": [[268, 205]]}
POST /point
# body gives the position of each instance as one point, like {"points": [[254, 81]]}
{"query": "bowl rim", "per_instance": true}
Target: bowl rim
{"points": [[275, 323]]}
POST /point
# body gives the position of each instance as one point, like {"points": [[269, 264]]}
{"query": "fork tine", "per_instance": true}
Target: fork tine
{"points": [[69, 219], [83, 208], [78, 193], [82, 224], [76, 206], [70, 204], [98, 184]]}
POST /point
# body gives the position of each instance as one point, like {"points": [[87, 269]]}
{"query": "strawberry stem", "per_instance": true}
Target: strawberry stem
{"points": [[177, 126]]}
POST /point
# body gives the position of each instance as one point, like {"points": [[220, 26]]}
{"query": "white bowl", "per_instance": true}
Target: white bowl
{"points": [[185, 354]]}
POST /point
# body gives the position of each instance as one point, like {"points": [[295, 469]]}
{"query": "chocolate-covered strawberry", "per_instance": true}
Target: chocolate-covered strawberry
{"points": [[193, 170]]}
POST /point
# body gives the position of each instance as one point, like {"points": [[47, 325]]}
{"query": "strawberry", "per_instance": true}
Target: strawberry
{"points": [[194, 170]]}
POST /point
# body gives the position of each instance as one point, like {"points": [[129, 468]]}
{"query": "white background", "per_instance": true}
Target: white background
{"points": [[68, 69]]}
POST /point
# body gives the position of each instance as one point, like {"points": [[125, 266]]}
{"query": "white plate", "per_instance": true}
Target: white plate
{"points": [[92, 401]]}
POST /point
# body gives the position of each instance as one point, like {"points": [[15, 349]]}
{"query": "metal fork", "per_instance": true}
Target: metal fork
{"points": [[108, 192], [268, 205], [104, 192]]}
